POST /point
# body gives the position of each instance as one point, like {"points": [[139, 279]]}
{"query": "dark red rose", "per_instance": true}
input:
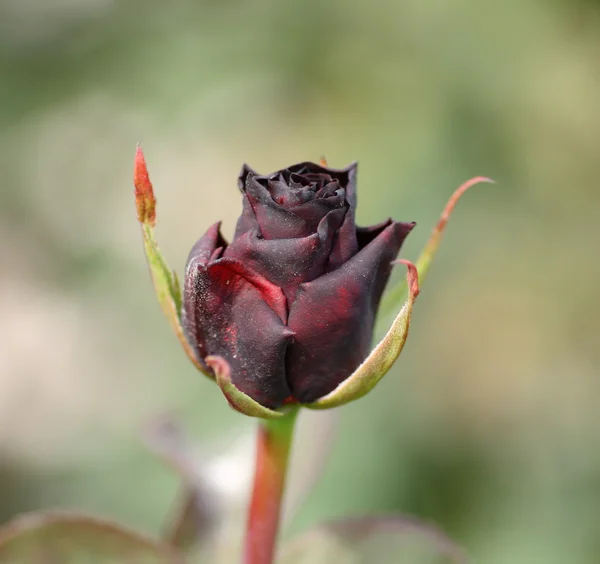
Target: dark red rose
{"points": [[290, 303]]}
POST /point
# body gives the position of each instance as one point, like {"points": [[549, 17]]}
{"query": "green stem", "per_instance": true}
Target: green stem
{"points": [[272, 455]]}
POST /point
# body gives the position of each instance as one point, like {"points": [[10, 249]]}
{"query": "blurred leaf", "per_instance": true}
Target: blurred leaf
{"points": [[190, 521], [53, 538], [195, 513], [388, 539]]}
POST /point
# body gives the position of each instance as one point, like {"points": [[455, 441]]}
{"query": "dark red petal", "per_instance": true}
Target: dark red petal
{"points": [[365, 235], [274, 220], [247, 220], [333, 316], [346, 176], [208, 247], [205, 247], [351, 171], [243, 175], [313, 211], [271, 293], [345, 245], [288, 262], [236, 314]]}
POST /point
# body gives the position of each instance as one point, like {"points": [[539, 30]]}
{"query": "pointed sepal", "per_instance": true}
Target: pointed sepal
{"points": [[423, 263], [435, 239], [166, 284], [236, 398], [383, 356]]}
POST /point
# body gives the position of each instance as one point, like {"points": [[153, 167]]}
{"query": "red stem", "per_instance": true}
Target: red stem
{"points": [[272, 454]]}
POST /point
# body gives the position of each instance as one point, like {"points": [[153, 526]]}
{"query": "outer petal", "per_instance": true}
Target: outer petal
{"points": [[333, 316], [381, 358], [247, 220], [244, 173], [207, 245], [288, 262], [236, 314]]}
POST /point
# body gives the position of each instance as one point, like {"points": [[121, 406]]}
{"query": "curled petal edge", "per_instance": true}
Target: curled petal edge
{"points": [[165, 282], [382, 357], [236, 398]]}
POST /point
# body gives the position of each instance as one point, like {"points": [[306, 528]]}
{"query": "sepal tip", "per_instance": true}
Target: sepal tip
{"points": [[236, 398], [144, 194]]}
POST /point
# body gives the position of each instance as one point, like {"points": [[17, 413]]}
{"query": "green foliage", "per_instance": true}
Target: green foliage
{"points": [[382, 540], [47, 538]]}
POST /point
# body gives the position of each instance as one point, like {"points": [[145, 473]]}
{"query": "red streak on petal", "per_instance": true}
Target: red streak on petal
{"points": [[227, 270], [144, 194]]}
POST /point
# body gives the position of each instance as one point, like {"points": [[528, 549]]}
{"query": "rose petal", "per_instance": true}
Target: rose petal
{"points": [[381, 358], [365, 235], [288, 262], [314, 211], [247, 220], [274, 221], [290, 195], [236, 314], [332, 317], [243, 175], [205, 247], [351, 170], [346, 176], [345, 245]]}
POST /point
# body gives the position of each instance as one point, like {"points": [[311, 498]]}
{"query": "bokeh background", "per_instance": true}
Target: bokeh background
{"points": [[489, 423]]}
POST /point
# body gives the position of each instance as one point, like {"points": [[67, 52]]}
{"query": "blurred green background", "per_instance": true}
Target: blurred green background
{"points": [[489, 423]]}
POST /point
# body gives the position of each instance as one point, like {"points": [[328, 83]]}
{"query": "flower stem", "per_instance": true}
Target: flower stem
{"points": [[272, 455]]}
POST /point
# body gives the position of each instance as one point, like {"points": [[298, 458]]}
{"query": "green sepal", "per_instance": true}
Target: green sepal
{"points": [[236, 398], [398, 293], [382, 357], [70, 538], [165, 281]]}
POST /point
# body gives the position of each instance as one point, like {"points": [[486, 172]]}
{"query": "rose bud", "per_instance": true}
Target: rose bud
{"points": [[285, 312]]}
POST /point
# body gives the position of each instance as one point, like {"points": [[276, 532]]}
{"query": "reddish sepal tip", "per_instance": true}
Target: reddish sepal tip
{"points": [[412, 276], [457, 195], [144, 194]]}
